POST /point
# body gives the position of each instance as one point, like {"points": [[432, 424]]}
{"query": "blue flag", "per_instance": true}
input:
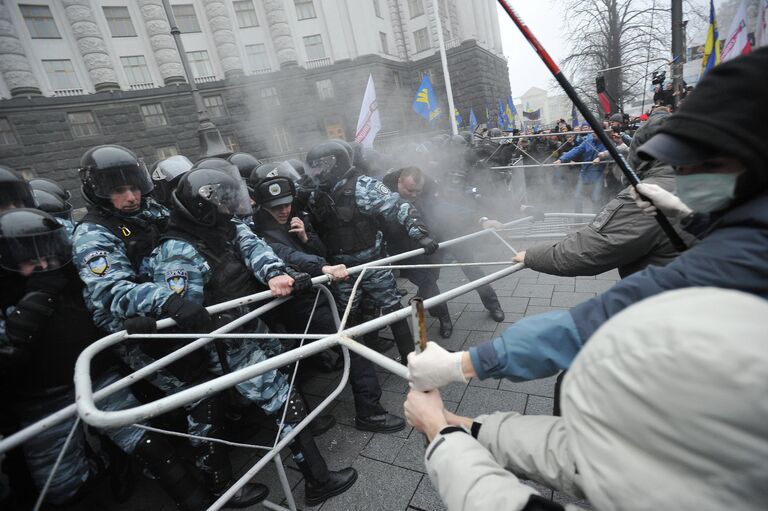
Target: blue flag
{"points": [[425, 103], [511, 113], [459, 120], [503, 120], [711, 47], [472, 121]]}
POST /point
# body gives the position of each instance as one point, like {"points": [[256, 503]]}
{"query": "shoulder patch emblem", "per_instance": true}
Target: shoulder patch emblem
{"points": [[177, 281], [274, 189], [382, 188], [97, 262]]}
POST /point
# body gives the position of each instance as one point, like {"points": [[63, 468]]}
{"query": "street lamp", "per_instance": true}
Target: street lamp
{"points": [[211, 143]]}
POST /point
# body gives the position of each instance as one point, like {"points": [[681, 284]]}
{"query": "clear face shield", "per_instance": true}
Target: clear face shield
{"points": [[230, 198], [319, 169], [36, 253], [16, 195], [105, 181]]}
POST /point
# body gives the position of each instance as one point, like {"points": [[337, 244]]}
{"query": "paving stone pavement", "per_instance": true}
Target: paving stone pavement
{"points": [[391, 469]]}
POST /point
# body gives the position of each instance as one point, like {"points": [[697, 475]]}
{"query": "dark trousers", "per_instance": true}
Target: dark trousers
{"points": [[426, 280], [464, 254], [363, 379]]}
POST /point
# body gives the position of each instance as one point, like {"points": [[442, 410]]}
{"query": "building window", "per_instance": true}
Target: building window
{"points": [[186, 18], [153, 115], [200, 63], [7, 136], [305, 9], [377, 8], [119, 21], [245, 12], [384, 43], [61, 74], [231, 142], [421, 38], [215, 106], [257, 58], [82, 124], [313, 45], [136, 69], [39, 21], [324, 88], [270, 97], [166, 151], [396, 79], [415, 7], [281, 139]]}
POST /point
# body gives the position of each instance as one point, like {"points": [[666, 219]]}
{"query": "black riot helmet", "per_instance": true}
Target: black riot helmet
{"points": [[346, 145], [273, 169], [328, 162], [105, 168], [32, 241], [245, 163], [15, 192], [274, 191], [204, 195], [51, 187], [52, 204], [495, 132], [166, 174]]}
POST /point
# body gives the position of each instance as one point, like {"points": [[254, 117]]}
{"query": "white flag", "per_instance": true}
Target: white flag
{"points": [[369, 121], [737, 42], [761, 33]]}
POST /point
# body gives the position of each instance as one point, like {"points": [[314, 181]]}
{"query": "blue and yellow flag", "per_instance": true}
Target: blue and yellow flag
{"points": [[711, 48], [425, 103], [503, 120], [511, 113], [459, 120], [472, 121]]}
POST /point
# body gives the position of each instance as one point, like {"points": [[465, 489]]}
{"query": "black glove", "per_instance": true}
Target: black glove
{"points": [[188, 315], [30, 318], [13, 358], [302, 282], [140, 325], [429, 245]]}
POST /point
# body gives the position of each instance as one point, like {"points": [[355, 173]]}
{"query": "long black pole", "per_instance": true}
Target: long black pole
{"points": [[596, 126]]}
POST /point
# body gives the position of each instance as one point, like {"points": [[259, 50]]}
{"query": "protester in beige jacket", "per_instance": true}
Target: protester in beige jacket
{"points": [[664, 409]]}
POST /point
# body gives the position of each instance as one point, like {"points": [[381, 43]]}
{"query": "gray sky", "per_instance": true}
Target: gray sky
{"points": [[546, 20]]}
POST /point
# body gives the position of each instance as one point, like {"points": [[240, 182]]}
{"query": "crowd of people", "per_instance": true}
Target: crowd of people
{"points": [[170, 240]]}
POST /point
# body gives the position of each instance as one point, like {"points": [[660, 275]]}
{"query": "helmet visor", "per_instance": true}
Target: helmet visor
{"points": [[36, 253], [171, 168], [319, 169], [16, 195], [105, 181]]}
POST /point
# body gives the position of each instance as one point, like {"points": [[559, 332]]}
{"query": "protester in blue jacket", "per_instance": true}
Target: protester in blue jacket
{"points": [[590, 175], [719, 155]]}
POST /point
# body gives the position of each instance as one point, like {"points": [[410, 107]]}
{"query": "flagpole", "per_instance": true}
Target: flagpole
{"points": [[446, 74]]}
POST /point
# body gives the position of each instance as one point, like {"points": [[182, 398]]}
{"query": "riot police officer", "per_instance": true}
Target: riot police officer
{"points": [[245, 163], [207, 257], [345, 207], [290, 233], [111, 248], [165, 176], [44, 325], [15, 192]]}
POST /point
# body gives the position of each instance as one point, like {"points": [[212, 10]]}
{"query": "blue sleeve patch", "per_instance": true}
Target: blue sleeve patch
{"points": [[97, 262], [177, 281]]}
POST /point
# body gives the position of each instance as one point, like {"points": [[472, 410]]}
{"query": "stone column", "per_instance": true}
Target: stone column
{"points": [[224, 37], [161, 40], [280, 31], [14, 64], [402, 39], [90, 42]]}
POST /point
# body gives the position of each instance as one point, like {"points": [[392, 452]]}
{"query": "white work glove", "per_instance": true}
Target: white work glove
{"points": [[668, 203], [435, 367]]}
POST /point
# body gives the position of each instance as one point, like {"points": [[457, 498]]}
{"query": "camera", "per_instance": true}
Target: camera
{"points": [[658, 77]]}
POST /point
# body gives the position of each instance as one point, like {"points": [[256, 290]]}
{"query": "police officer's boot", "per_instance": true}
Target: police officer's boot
{"points": [[491, 302], [320, 484], [214, 458], [402, 334], [175, 477]]}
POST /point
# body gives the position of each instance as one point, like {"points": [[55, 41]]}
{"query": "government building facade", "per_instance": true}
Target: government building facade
{"points": [[276, 76]]}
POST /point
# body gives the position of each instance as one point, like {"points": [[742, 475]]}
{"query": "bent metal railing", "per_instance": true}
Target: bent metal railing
{"points": [[86, 398]]}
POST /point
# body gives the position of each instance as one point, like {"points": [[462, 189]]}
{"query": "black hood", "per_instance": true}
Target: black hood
{"points": [[728, 112]]}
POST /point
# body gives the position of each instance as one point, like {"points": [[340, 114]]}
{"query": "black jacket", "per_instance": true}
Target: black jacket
{"points": [[307, 257]]}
